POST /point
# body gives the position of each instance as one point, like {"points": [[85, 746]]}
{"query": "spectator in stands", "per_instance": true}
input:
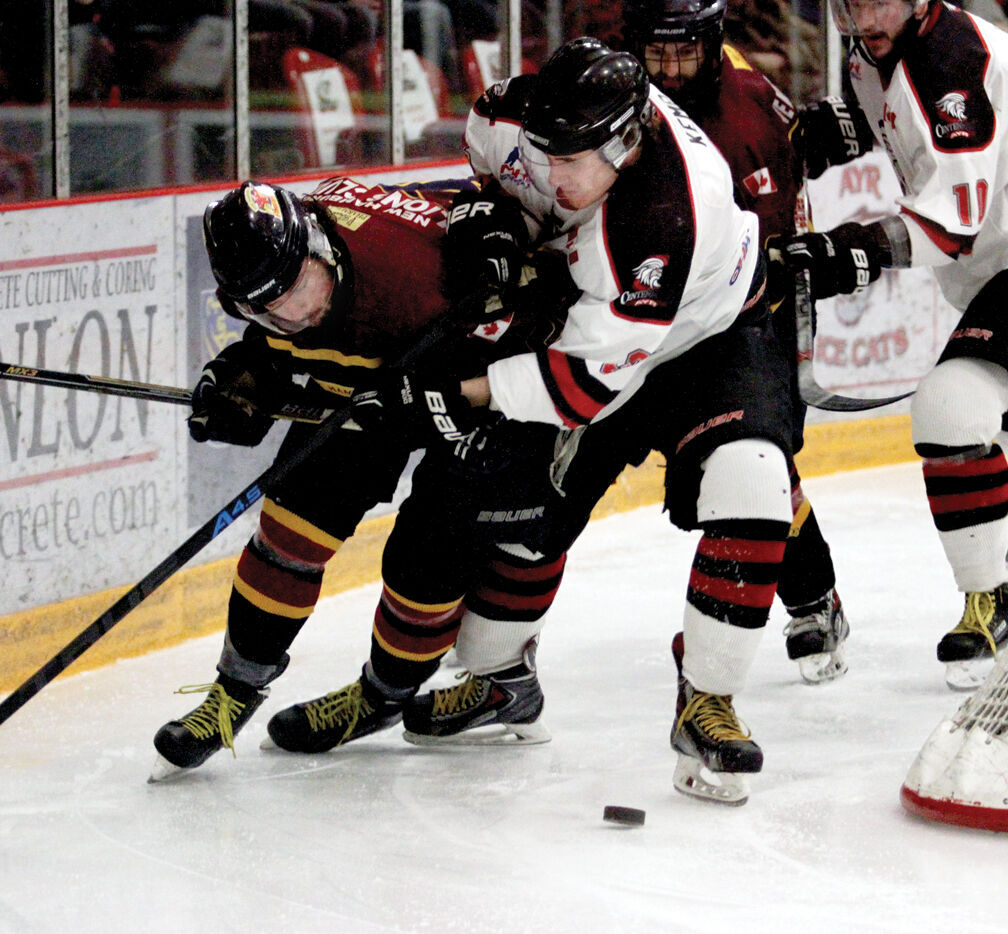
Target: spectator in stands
{"points": [[91, 51]]}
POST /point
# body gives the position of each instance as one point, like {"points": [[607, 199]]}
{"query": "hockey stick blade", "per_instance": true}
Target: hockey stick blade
{"points": [[811, 392], [430, 337], [148, 392]]}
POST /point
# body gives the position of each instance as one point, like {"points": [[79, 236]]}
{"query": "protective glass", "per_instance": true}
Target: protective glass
{"points": [[868, 17]]}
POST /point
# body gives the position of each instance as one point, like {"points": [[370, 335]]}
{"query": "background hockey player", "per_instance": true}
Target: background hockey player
{"points": [[332, 284], [928, 81], [680, 43], [668, 348]]}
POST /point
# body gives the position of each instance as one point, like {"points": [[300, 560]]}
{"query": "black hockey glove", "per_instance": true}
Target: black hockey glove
{"points": [[235, 391], [830, 132], [481, 452], [423, 407], [841, 262], [484, 246]]}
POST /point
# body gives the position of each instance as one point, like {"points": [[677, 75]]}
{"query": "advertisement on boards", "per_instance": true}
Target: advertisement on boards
{"points": [[882, 341], [89, 483]]}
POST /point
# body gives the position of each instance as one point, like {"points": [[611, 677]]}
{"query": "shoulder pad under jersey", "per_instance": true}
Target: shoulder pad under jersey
{"points": [[950, 88]]}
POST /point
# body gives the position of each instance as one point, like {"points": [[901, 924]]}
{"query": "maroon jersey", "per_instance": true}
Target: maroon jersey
{"points": [[749, 124], [394, 235]]}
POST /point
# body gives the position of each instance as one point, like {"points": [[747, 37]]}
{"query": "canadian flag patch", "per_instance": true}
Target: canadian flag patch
{"points": [[493, 331], [759, 183]]}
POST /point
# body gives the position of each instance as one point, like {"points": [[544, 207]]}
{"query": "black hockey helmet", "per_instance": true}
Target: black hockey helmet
{"points": [[588, 97], [667, 22], [257, 238]]}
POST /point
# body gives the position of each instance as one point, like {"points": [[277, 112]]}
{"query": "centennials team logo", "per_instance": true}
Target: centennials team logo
{"points": [[952, 110], [953, 105], [648, 274], [647, 281]]}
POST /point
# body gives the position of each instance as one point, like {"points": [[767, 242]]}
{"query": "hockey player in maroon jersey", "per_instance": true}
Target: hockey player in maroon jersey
{"points": [[332, 285], [681, 43], [928, 81], [669, 347]]}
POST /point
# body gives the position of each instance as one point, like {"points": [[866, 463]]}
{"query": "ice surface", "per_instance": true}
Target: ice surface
{"points": [[385, 837]]}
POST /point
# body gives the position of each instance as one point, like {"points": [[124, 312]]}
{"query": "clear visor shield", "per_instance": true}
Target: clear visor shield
{"points": [[871, 17], [309, 299], [578, 180]]}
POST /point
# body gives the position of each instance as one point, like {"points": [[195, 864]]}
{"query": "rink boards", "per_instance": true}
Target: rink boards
{"points": [[193, 602]]}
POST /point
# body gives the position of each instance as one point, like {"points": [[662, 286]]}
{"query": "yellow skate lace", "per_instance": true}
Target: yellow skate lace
{"points": [[715, 716], [215, 715], [459, 698], [977, 616], [343, 706]]}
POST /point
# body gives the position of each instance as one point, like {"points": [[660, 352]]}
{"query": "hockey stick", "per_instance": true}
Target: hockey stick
{"points": [[811, 392], [429, 338], [143, 391]]}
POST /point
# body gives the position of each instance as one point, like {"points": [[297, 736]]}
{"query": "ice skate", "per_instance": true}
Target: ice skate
{"points": [[967, 648], [188, 742], [815, 638], [715, 753], [502, 708], [337, 718]]}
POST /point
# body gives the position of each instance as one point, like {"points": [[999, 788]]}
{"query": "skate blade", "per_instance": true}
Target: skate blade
{"points": [[967, 675], [694, 779], [163, 770], [498, 734], [821, 668]]}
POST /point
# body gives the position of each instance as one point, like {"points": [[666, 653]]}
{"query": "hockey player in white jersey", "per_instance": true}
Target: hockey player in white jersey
{"points": [[929, 80], [667, 348]]}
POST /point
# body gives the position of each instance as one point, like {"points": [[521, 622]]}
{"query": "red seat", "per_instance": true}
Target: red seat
{"points": [[329, 97], [425, 90], [481, 65]]}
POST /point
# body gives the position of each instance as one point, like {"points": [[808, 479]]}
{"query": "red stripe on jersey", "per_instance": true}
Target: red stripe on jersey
{"points": [[640, 319], [575, 397], [286, 541], [959, 502], [276, 584], [950, 244], [733, 591], [741, 549]]}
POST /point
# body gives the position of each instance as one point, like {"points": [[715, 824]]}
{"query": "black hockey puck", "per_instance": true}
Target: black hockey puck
{"points": [[627, 817]]}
